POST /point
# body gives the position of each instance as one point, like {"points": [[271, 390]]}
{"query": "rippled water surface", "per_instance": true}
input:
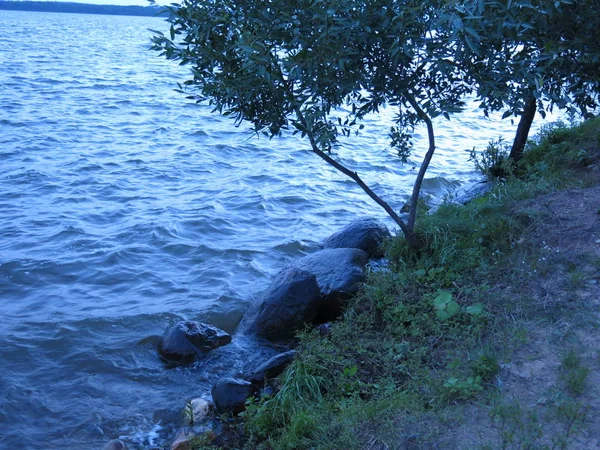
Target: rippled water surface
{"points": [[123, 207]]}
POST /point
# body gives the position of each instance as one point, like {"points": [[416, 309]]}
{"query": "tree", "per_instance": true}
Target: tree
{"points": [[282, 64], [528, 55]]}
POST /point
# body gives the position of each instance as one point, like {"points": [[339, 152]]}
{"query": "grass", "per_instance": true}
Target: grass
{"points": [[574, 373], [429, 335]]}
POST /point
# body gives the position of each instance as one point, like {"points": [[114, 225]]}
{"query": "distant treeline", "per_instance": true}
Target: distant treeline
{"points": [[79, 8]]}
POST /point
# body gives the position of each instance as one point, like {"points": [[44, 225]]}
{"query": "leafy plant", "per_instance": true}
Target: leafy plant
{"points": [[486, 366], [457, 388], [445, 307], [574, 373], [493, 162]]}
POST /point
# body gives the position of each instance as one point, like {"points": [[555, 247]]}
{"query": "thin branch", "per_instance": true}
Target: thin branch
{"points": [[405, 229]]}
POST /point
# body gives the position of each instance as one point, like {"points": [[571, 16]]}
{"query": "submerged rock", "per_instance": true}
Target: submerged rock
{"points": [[272, 367], [230, 395], [291, 300], [367, 234], [183, 340]]}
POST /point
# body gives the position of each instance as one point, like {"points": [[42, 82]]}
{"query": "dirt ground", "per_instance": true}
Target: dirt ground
{"points": [[545, 398]]}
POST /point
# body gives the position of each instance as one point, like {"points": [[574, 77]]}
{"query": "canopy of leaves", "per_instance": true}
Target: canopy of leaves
{"points": [[262, 60], [513, 50]]}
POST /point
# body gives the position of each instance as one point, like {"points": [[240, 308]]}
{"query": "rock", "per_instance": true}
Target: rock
{"points": [[272, 367], [183, 340], [230, 395], [324, 329], [115, 444], [291, 300], [366, 234], [339, 271], [465, 196], [182, 441], [184, 438], [200, 409]]}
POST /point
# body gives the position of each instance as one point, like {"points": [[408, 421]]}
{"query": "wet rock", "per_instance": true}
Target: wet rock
{"points": [[290, 301], [465, 196], [366, 234], [182, 441], [230, 395], [184, 438], [200, 410], [339, 271], [115, 444], [183, 340], [272, 367]]}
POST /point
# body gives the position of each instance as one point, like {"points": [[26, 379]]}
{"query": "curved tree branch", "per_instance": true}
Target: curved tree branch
{"points": [[412, 215], [408, 231]]}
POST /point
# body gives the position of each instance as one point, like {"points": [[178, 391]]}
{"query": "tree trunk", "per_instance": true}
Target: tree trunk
{"points": [[409, 233], [516, 152], [412, 215]]}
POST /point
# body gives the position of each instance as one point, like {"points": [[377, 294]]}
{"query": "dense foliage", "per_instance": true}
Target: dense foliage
{"points": [[293, 65]]}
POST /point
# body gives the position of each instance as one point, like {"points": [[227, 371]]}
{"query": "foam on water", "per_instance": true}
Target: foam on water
{"points": [[123, 207]]}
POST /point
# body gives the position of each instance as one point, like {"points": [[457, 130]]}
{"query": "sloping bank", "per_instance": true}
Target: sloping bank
{"points": [[485, 338]]}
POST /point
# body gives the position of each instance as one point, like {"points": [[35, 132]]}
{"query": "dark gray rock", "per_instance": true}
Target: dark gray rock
{"points": [[230, 395], [183, 340], [339, 271], [291, 300], [272, 367], [366, 234]]}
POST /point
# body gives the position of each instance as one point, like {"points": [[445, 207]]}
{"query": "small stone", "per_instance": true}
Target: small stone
{"points": [[272, 368], [230, 395], [182, 441], [200, 409]]}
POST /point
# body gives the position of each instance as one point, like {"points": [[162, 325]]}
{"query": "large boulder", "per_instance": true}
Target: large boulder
{"points": [[339, 272], [230, 395], [184, 340], [366, 234], [271, 368], [467, 195], [291, 300]]}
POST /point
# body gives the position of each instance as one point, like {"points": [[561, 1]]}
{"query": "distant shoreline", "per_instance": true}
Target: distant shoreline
{"points": [[79, 8]]}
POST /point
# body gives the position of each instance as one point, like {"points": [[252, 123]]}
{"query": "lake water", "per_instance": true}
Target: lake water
{"points": [[124, 207]]}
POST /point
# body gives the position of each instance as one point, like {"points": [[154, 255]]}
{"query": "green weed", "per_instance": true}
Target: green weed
{"points": [[574, 373]]}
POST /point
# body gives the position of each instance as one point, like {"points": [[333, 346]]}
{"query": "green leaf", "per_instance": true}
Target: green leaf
{"points": [[475, 310], [350, 371], [442, 300], [444, 306]]}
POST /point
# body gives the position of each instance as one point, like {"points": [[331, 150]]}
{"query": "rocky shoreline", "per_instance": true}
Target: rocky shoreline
{"points": [[311, 291]]}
